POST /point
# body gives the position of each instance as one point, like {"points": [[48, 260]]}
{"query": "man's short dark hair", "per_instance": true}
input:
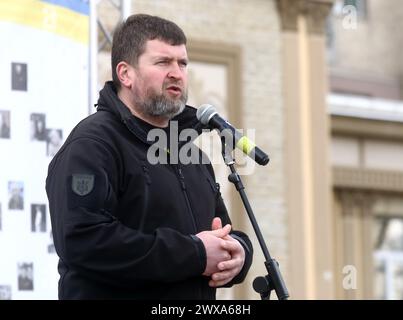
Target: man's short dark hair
{"points": [[131, 36]]}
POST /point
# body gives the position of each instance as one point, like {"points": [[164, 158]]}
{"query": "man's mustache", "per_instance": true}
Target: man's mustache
{"points": [[174, 84]]}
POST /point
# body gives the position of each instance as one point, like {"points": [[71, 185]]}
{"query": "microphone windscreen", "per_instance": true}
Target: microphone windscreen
{"points": [[205, 112]]}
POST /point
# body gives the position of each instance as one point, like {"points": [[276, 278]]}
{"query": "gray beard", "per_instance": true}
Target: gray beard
{"points": [[160, 106]]}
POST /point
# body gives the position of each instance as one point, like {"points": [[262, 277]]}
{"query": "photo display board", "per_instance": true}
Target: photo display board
{"points": [[44, 90]]}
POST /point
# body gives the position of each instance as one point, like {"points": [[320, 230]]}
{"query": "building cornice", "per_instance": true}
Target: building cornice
{"points": [[315, 11], [367, 179]]}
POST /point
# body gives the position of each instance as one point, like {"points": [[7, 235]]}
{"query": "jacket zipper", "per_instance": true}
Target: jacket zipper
{"points": [[183, 186]]}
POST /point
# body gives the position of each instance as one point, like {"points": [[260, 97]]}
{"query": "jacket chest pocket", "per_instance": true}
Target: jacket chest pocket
{"points": [[203, 194], [161, 200]]}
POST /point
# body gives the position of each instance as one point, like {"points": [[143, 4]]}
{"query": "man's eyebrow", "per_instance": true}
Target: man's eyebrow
{"points": [[168, 58], [162, 57]]}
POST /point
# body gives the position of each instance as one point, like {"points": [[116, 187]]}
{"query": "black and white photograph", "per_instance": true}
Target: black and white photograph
{"points": [[16, 195], [38, 126], [25, 276], [5, 292], [4, 124], [19, 76], [38, 217], [54, 141]]}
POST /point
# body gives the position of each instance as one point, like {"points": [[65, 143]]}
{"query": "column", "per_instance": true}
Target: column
{"points": [[307, 138]]}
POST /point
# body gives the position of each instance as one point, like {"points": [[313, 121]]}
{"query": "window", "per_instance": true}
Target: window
{"points": [[388, 258]]}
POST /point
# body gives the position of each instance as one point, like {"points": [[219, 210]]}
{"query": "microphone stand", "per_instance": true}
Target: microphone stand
{"points": [[273, 280]]}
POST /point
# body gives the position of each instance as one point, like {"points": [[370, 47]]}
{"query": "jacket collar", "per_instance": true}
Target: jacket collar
{"points": [[109, 101]]}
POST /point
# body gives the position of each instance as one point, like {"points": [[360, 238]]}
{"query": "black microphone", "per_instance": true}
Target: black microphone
{"points": [[208, 116]]}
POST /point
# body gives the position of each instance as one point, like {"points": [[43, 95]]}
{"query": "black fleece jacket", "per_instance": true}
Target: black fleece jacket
{"points": [[124, 228]]}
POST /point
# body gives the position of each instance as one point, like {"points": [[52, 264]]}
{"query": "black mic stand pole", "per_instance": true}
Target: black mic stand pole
{"points": [[273, 280]]}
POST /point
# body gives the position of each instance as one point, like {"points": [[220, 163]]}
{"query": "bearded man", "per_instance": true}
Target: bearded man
{"points": [[126, 228]]}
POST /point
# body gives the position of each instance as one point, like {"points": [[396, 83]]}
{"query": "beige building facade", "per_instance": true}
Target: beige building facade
{"points": [[365, 68]]}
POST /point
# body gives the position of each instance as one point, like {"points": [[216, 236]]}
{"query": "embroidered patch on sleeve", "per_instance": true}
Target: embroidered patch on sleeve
{"points": [[82, 184], [88, 190]]}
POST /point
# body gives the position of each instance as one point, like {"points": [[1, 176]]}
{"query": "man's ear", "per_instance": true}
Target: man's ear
{"points": [[126, 74]]}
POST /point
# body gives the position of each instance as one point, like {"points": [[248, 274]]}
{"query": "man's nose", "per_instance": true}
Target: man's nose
{"points": [[175, 71]]}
